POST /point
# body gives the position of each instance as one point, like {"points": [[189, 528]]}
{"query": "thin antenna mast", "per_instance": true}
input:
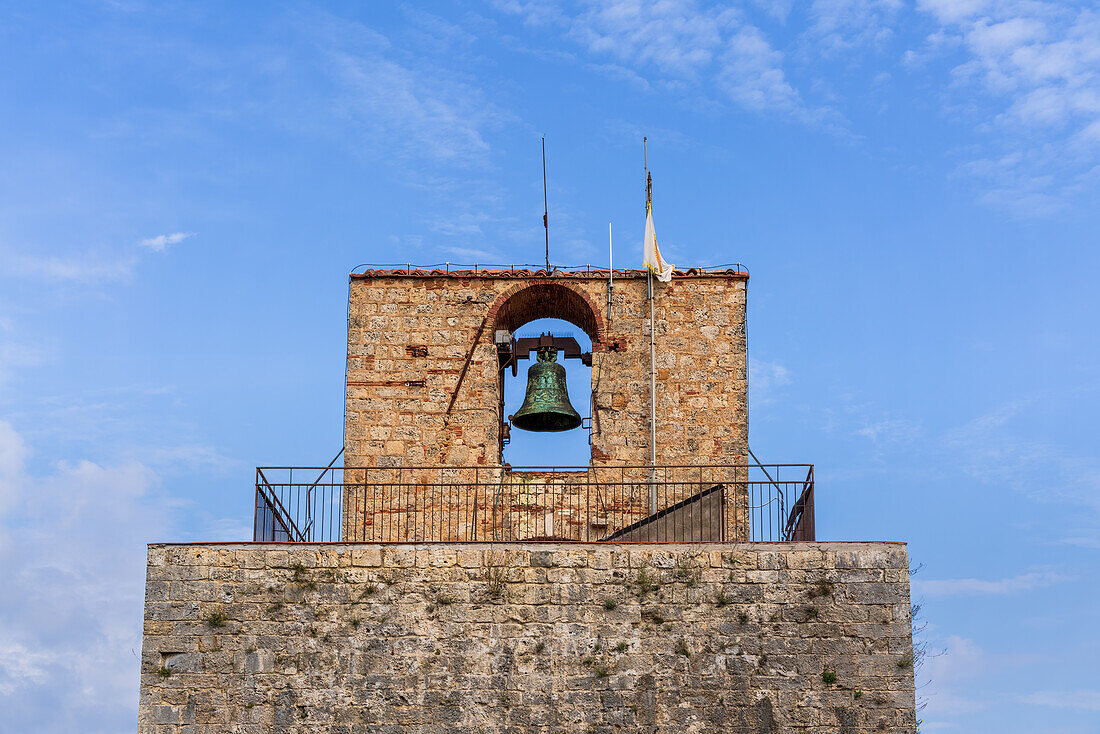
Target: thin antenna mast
{"points": [[610, 272], [545, 206]]}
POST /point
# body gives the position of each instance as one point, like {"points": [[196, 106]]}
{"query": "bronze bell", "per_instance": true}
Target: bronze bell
{"points": [[546, 405]]}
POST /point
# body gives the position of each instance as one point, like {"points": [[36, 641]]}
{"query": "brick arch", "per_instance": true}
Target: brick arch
{"points": [[548, 299]]}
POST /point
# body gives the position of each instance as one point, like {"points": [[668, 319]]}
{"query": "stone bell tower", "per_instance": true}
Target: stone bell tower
{"points": [[424, 378], [428, 353]]}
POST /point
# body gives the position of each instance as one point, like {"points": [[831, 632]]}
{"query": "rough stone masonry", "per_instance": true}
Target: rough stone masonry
{"points": [[424, 382], [416, 340], [531, 637]]}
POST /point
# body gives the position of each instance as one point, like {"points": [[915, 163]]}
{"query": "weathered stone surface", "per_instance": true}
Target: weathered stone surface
{"points": [[527, 638]]}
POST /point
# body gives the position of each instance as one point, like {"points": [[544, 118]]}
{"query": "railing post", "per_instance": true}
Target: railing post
{"points": [[256, 507]]}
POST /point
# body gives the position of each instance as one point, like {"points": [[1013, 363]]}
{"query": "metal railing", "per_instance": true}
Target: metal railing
{"points": [[622, 504], [475, 268]]}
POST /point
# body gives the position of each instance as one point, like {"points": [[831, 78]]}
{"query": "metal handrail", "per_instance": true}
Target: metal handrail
{"points": [[277, 506], [309, 492], [802, 508]]}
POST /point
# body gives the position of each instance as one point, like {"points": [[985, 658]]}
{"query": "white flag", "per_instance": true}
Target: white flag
{"points": [[653, 259]]}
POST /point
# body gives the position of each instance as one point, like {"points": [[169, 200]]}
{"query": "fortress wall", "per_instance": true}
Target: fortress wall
{"points": [[432, 639]]}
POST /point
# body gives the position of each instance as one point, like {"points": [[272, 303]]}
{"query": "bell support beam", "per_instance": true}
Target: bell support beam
{"points": [[566, 346]]}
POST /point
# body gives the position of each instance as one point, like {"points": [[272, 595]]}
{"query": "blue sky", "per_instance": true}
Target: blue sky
{"points": [[912, 183]]}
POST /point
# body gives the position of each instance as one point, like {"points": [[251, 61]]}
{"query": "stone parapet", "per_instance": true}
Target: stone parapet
{"points": [[527, 637]]}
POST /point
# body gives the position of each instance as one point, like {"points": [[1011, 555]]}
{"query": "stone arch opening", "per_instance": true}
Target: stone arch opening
{"points": [[549, 300], [535, 302]]}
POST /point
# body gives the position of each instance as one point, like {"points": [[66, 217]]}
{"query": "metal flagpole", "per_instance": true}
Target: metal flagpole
{"points": [[652, 403], [545, 206], [652, 354]]}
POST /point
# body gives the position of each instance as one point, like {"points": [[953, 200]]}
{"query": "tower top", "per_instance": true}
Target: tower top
{"points": [[447, 270]]}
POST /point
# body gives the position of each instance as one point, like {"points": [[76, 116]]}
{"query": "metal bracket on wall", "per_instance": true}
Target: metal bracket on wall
{"points": [[387, 383]]}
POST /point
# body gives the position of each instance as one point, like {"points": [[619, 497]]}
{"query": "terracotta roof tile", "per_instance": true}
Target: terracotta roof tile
{"points": [[540, 273]]}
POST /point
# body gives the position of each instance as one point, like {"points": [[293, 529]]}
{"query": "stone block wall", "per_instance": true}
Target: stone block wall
{"points": [[433, 639], [409, 337]]}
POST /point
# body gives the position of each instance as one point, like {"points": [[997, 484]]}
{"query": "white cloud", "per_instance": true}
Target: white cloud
{"points": [[840, 25], [13, 452], [991, 450], [187, 457], [1082, 541], [533, 12], [1039, 63], [431, 116], [471, 255], [87, 268], [949, 703], [890, 430], [952, 11], [678, 38], [752, 74], [1081, 699], [77, 269], [624, 74], [162, 241], [72, 547], [461, 224], [943, 679], [974, 587], [429, 121], [962, 660], [778, 9], [680, 45], [766, 381], [14, 356], [401, 105]]}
